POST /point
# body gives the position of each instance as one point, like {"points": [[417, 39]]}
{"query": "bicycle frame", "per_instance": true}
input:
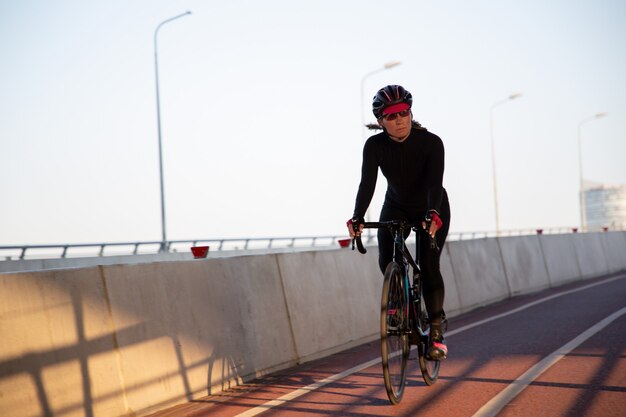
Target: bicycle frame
{"points": [[402, 256]]}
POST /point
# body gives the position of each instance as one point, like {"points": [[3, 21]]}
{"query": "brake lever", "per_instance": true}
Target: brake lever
{"points": [[357, 237], [433, 242]]}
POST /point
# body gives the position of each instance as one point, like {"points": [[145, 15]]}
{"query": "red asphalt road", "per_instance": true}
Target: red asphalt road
{"points": [[589, 380]]}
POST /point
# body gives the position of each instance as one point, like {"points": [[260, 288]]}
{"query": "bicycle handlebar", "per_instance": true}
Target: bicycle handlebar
{"points": [[391, 225], [359, 244]]}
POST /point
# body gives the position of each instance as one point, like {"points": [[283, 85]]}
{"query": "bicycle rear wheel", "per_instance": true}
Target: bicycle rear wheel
{"points": [[393, 332], [429, 367]]}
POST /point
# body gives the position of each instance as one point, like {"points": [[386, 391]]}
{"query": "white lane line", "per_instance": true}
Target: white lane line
{"points": [[497, 403], [299, 392]]}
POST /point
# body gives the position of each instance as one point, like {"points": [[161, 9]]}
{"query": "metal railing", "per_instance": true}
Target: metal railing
{"points": [[150, 247], [14, 252]]}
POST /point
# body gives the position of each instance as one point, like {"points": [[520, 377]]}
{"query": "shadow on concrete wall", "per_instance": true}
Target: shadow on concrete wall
{"points": [[14, 401]]}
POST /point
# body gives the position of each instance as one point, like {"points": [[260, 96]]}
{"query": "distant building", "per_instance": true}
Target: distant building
{"points": [[605, 206]]}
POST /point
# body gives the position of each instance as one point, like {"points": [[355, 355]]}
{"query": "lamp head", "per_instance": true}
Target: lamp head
{"points": [[392, 64]]}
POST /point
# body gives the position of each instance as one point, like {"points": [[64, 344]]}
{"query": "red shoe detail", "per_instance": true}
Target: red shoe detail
{"points": [[440, 346]]}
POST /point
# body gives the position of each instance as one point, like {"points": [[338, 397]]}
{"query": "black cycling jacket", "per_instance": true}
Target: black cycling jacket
{"points": [[413, 169]]}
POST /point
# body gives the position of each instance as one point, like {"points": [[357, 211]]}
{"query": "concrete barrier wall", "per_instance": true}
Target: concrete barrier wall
{"points": [[614, 247], [560, 257], [194, 328], [590, 254], [58, 354], [333, 300], [127, 340], [524, 264], [479, 272]]}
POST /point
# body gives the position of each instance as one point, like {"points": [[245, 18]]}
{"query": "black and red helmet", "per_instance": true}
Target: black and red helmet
{"points": [[389, 96]]}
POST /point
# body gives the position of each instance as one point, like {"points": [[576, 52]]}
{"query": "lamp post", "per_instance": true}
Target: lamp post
{"points": [[493, 156], [583, 203], [158, 103], [387, 66]]}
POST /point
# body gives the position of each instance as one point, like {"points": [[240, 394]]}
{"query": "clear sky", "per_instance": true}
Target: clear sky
{"points": [[261, 111]]}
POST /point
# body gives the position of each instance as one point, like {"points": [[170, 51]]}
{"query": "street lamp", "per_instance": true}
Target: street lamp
{"points": [[583, 204], [387, 66], [158, 102], [493, 155]]}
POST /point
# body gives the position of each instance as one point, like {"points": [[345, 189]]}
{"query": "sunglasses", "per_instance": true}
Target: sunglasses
{"points": [[393, 116]]}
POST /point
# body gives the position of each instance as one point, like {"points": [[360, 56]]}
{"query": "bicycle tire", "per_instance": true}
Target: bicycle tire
{"points": [[394, 325], [428, 367]]}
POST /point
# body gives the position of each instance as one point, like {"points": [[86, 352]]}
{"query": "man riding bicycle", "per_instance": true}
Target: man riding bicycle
{"points": [[412, 160]]}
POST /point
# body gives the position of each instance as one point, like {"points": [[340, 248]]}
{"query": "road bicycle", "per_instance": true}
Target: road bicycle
{"points": [[403, 316]]}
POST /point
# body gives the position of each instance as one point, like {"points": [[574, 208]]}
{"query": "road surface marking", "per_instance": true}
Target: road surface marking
{"points": [[299, 392], [309, 388], [497, 403]]}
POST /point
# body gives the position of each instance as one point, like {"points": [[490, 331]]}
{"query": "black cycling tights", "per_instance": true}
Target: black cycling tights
{"points": [[434, 289]]}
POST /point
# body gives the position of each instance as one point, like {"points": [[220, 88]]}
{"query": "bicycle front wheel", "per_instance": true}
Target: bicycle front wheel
{"points": [[394, 325]]}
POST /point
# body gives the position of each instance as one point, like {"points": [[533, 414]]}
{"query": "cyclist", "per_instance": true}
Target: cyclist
{"points": [[412, 160]]}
